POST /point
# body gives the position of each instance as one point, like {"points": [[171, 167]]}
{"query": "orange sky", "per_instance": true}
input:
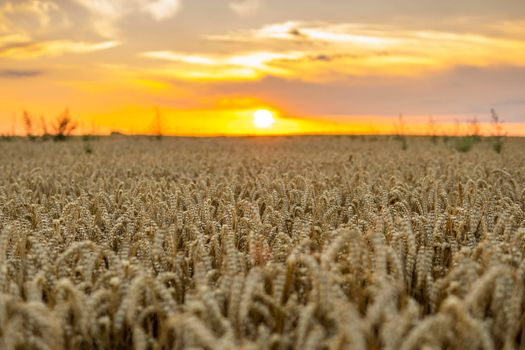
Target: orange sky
{"points": [[337, 67]]}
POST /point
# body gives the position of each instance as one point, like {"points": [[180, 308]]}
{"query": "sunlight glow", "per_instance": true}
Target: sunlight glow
{"points": [[263, 119], [271, 75]]}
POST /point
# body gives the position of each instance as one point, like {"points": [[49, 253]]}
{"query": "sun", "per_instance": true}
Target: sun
{"points": [[263, 119]]}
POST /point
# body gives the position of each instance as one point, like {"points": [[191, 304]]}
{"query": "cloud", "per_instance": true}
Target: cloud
{"points": [[245, 8], [236, 66], [322, 58], [161, 9], [13, 39], [117, 9], [329, 52], [21, 46], [332, 51], [19, 74], [31, 16], [106, 13], [30, 49]]}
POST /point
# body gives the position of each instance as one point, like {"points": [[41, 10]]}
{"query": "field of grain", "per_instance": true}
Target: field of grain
{"points": [[284, 243]]}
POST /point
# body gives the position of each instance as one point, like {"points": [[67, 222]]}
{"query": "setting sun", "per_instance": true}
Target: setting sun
{"points": [[263, 119]]}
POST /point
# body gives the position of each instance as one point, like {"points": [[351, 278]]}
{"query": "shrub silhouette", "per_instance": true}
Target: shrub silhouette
{"points": [[64, 126], [498, 135]]}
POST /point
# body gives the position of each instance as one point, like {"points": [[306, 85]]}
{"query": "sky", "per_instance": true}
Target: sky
{"points": [[206, 66]]}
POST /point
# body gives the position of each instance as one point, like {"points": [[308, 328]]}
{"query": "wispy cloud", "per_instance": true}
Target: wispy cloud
{"points": [[13, 39], [19, 74], [245, 8], [328, 51], [27, 50], [238, 66]]}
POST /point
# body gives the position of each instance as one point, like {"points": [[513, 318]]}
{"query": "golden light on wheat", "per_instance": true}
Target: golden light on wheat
{"points": [[313, 243]]}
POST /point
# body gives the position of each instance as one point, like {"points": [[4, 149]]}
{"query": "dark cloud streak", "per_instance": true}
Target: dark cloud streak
{"points": [[20, 74]]}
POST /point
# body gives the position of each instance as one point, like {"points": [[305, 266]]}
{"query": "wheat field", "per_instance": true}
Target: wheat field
{"points": [[269, 243]]}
